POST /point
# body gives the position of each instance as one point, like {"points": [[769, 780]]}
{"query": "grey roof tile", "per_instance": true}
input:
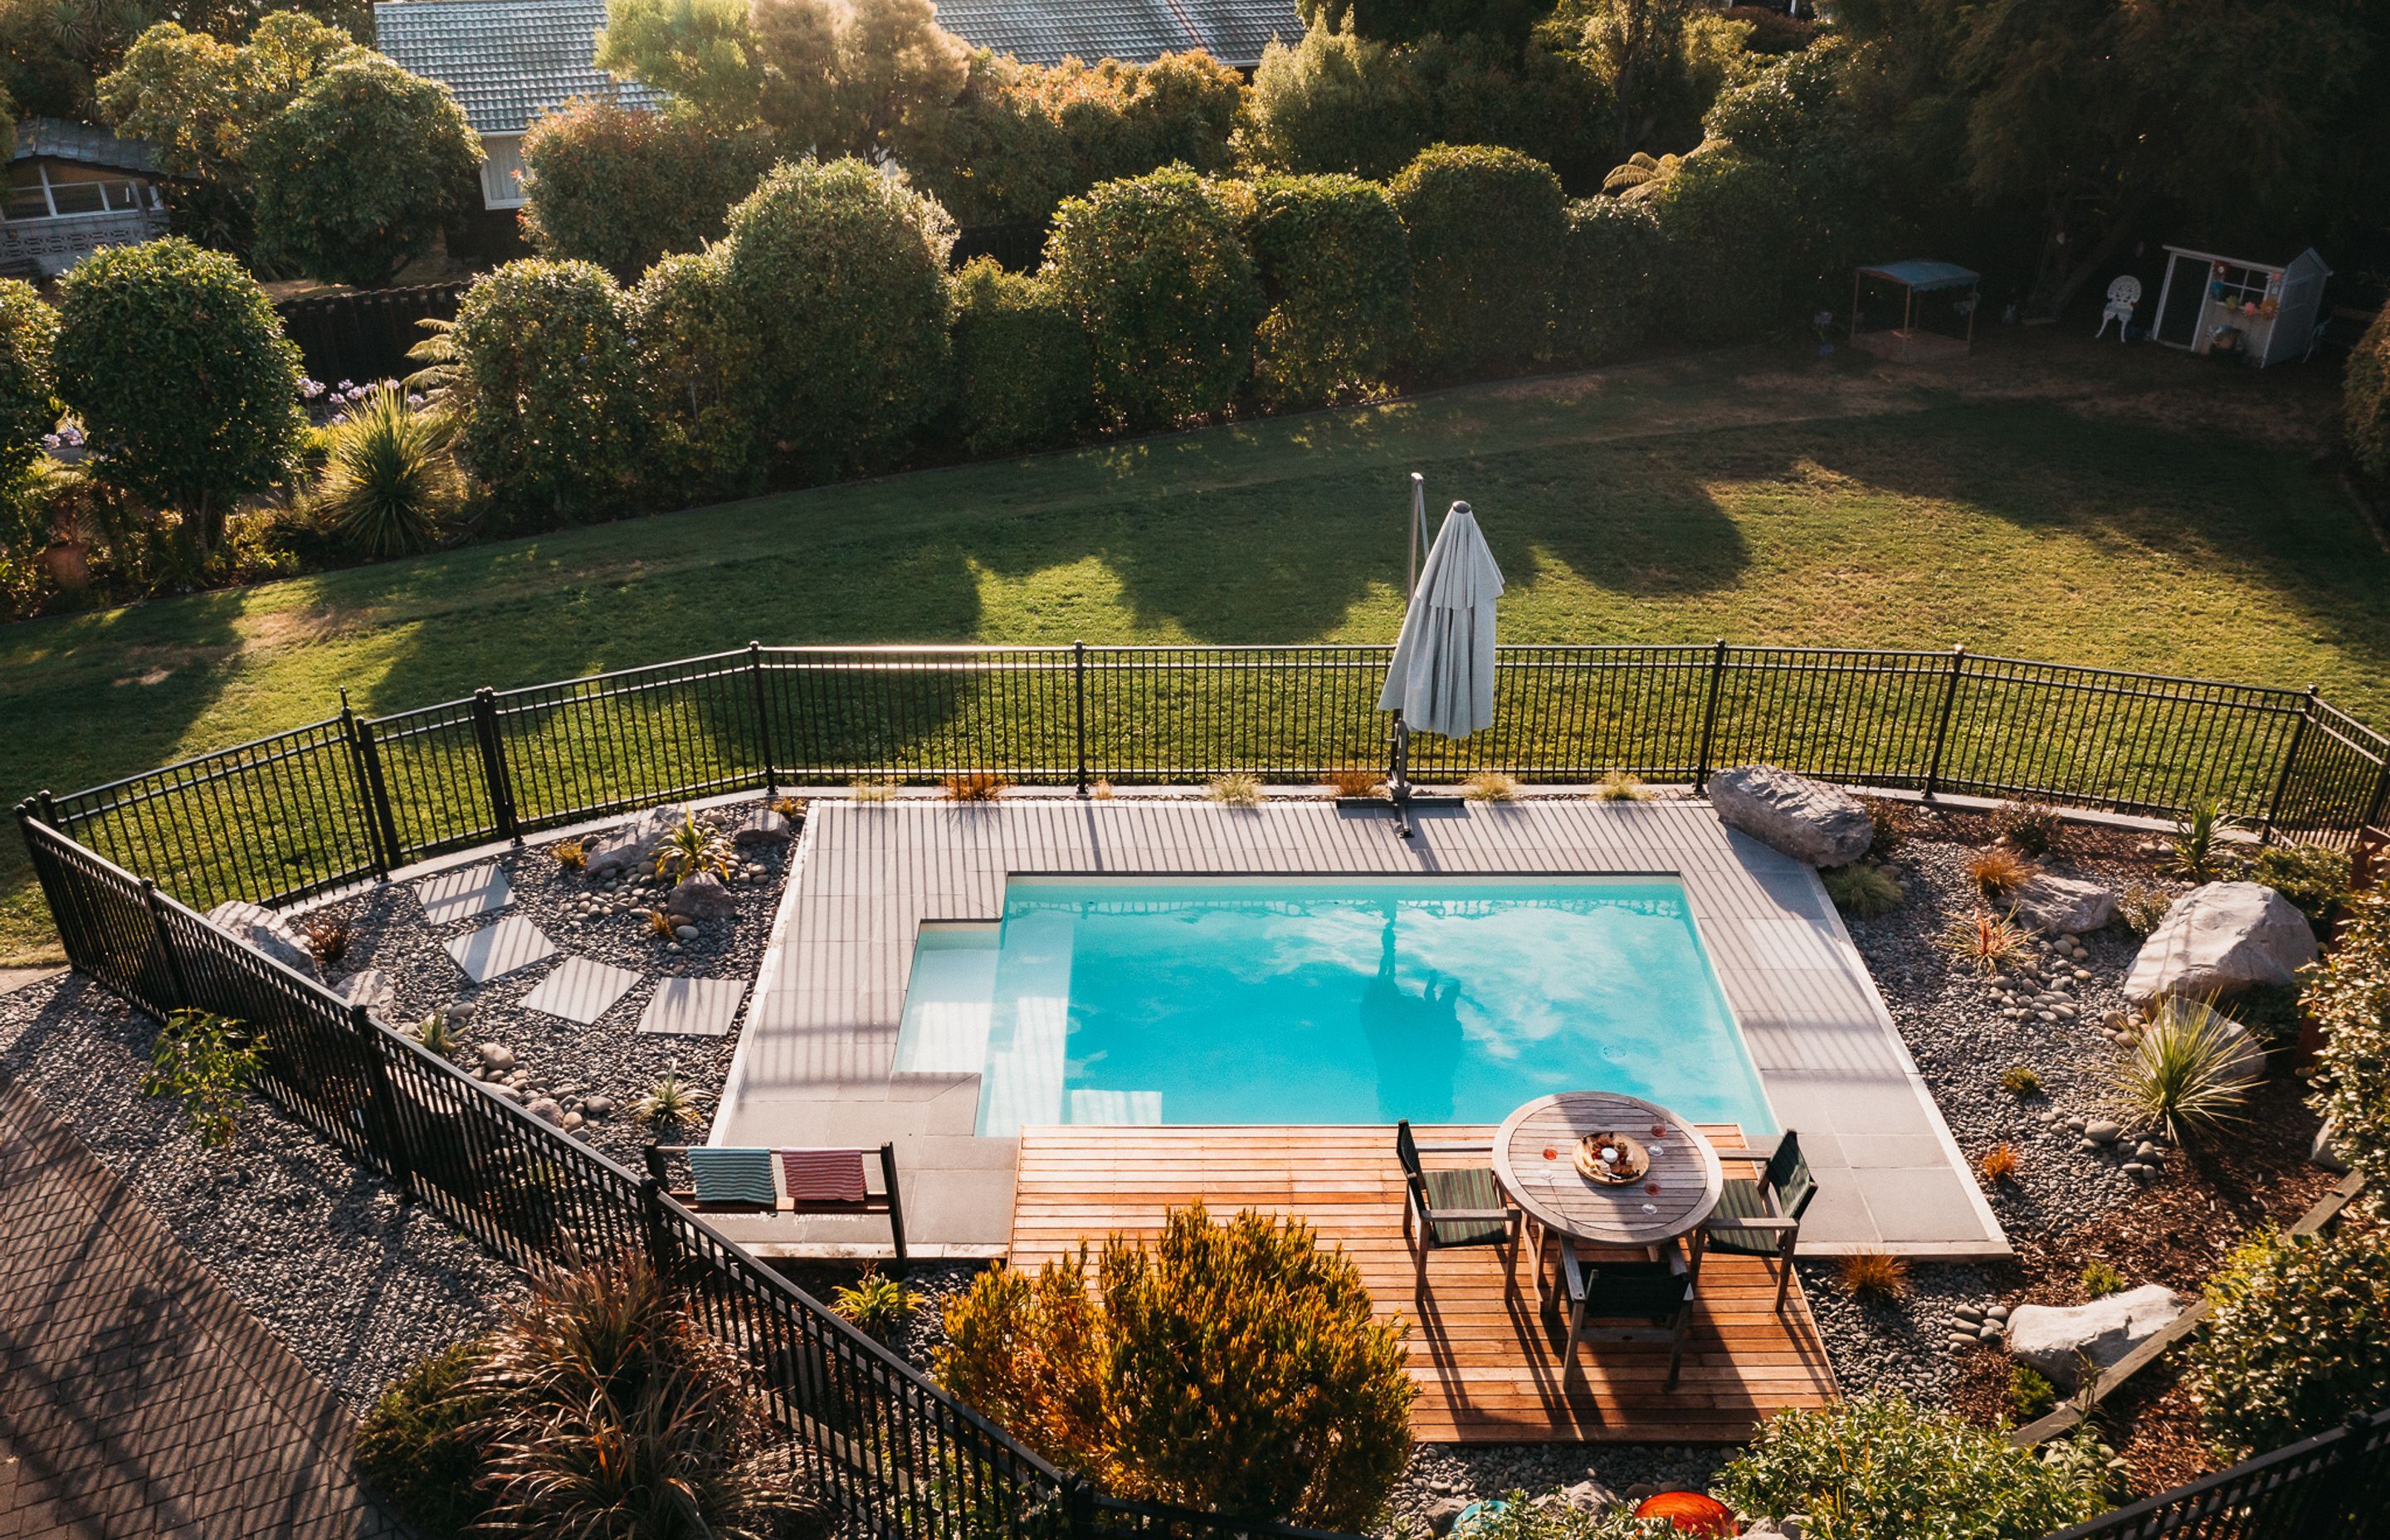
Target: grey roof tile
{"points": [[87, 144], [1046, 32], [506, 61]]}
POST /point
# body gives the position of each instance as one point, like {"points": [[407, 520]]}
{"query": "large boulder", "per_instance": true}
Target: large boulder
{"points": [[761, 827], [259, 927], [633, 845], [2058, 1338], [368, 988], [2219, 940], [702, 897], [1808, 820], [2062, 905]]}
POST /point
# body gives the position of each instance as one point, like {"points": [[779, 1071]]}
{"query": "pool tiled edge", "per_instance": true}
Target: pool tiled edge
{"points": [[816, 1063]]}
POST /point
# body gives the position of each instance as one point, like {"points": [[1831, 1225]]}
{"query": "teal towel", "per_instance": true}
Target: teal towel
{"points": [[729, 1176]]}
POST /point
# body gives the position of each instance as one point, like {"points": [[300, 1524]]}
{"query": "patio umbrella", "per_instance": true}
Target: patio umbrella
{"points": [[1442, 677]]}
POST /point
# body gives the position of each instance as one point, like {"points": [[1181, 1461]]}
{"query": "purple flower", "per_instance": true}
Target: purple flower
{"points": [[414, 402], [348, 385], [311, 388], [49, 441]]}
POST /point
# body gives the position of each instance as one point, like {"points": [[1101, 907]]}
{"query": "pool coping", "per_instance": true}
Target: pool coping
{"points": [[815, 1063]]}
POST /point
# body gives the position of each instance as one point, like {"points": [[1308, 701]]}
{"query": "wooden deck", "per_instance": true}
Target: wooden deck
{"points": [[1487, 1361]]}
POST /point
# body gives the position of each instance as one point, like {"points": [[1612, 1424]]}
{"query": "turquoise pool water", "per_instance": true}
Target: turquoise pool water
{"points": [[1210, 1001]]}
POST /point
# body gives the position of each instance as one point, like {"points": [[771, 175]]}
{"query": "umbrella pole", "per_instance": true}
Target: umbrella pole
{"points": [[1398, 786]]}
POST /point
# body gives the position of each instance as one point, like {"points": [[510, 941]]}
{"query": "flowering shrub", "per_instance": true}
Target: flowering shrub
{"points": [[834, 280], [138, 327], [548, 388], [1337, 277], [28, 405], [1487, 232], [1022, 364], [621, 188], [356, 176], [2298, 1336], [1876, 1468], [1153, 269]]}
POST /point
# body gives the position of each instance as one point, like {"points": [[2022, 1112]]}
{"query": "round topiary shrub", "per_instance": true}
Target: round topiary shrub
{"points": [[1603, 305], [1153, 269], [622, 188], [1487, 231], [1730, 223], [1021, 362], [1232, 1367], [1885, 1469], [548, 386], [704, 448], [187, 390], [835, 278], [2296, 1337], [2365, 399], [28, 405], [356, 177], [1336, 273]]}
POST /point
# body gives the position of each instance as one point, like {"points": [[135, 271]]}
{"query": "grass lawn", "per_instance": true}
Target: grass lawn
{"points": [[2050, 502]]}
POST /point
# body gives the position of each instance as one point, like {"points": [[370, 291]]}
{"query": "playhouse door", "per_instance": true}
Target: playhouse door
{"points": [[2186, 295]]}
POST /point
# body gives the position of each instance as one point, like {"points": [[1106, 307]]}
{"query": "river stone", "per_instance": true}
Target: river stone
{"points": [[260, 928], [2219, 940], [761, 827], [544, 1109], [368, 988], [2055, 1338], [2064, 905], [1589, 1496], [702, 897], [1808, 820], [633, 844]]}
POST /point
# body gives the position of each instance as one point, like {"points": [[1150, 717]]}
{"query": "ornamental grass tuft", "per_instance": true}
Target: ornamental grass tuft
{"points": [[2187, 1072]]}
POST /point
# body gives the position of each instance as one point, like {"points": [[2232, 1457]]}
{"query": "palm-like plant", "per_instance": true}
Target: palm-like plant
{"points": [[391, 482], [2187, 1071], [1641, 177], [693, 849], [2198, 839], [437, 354], [614, 1416]]}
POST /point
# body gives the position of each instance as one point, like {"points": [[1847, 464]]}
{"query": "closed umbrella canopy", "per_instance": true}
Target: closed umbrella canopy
{"points": [[1442, 679]]}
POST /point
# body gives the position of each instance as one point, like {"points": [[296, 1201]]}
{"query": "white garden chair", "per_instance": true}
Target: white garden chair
{"points": [[2122, 295]]}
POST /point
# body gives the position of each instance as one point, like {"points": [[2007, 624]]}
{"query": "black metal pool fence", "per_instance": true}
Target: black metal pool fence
{"points": [[126, 867]]}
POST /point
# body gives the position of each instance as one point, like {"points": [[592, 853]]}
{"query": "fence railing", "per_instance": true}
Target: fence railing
{"points": [[127, 867], [321, 806]]}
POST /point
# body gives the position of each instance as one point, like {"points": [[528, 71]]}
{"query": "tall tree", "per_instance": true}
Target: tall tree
{"points": [[701, 53]]}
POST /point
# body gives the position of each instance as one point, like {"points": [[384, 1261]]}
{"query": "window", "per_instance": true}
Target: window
{"points": [[2237, 286], [26, 200]]}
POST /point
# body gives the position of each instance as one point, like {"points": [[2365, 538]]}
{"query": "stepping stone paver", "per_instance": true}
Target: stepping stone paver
{"points": [[580, 989], [693, 1007], [496, 950], [463, 894]]}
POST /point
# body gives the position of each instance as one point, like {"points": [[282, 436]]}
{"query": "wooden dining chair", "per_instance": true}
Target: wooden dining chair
{"points": [[1659, 1294], [1762, 1217], [1452, 1207]]}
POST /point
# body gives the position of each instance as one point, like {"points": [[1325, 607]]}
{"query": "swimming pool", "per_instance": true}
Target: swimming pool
{"points": [[1325, 1000]]}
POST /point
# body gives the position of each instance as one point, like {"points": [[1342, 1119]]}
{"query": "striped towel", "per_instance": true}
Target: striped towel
{"points": [[733, 1176], [823, 1175]]}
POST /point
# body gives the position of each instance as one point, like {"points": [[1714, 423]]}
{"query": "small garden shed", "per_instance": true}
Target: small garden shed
{"points": [[2262, 311], [73, 189]]}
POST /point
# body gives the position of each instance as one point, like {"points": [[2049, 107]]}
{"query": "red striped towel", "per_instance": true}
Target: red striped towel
{"points": [[823, 1175]]}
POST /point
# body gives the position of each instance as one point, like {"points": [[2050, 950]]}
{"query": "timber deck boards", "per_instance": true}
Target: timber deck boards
{"points": [[1485, 1359]]}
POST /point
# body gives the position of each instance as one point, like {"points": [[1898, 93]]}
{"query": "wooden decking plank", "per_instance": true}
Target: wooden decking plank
{"points": [[1484, 1359]]}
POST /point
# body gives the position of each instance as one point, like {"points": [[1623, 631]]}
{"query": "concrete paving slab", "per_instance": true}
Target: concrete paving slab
{"points": [[693, 1007], [497, 950], [581, 989], [464, 894]]}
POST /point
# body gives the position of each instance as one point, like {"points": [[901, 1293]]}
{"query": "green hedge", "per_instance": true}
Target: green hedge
{"points": [[1487, 230], [1022, 368], [2297, 1338], [557, 416], [704, 447], [835, 282], [1153, 269], [1603, 306], [622, 188], [2365, 403], [1731, 225], [29, 404], [1336, 272]]}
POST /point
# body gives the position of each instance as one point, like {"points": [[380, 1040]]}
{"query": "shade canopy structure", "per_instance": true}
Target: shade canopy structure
{"points": [[1937, 310]]}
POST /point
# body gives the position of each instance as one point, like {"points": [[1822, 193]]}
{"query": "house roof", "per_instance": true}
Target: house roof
{"points": [[86, 143], [507, 62], [1923, 276], [1136, 31]]}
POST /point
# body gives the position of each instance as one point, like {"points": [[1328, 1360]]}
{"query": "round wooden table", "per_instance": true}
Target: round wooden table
{"points": [[1535, 1159]]}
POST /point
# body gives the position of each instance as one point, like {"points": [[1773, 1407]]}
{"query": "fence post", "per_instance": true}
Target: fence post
{"points": [[1709, 714], [2290, 758], [652, 1226], [377, 794], [182, 986], [1942, 726], [368, 774], [2373, 816], [494, 762], [762, 716], [390, 1141], [1079, 707]]}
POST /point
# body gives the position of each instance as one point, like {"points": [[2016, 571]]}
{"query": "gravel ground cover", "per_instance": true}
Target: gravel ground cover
{"points": [[589, 1078], [357, 1281]]}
